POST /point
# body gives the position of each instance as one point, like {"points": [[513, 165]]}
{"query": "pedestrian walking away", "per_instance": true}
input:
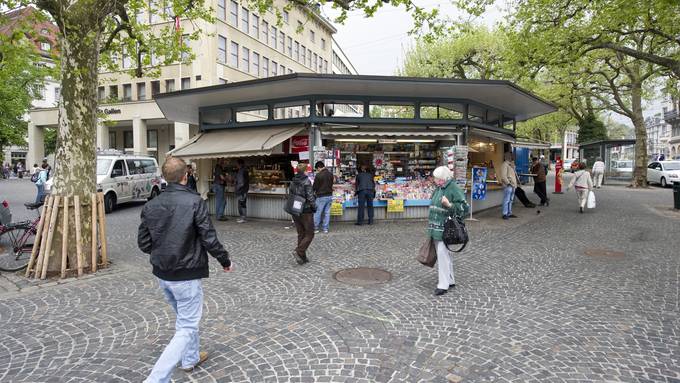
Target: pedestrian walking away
{"points": [[177, 233], [598, 173], [191, 178], [365, 190], [242, 185], [508, 179], [323, 191], [540, 181], [219, 180], [40, 183], [583, 184], [304, 222], [447, 200]]}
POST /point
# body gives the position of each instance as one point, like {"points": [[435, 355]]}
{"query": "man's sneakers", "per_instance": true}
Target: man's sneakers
{"points": [[301, 260], [513, 216], [438, 292], [506, 217], [316, 231], [241, 220], [202, 357]]}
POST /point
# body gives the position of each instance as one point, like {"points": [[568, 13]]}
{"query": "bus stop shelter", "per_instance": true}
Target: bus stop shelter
{"points": [[618, 157]]}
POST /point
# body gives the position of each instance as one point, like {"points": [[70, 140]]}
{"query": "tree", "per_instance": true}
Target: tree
{"points": [[591, 129]]}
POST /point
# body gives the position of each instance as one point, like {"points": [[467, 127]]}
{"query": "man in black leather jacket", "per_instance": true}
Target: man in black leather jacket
{"points": [[304, 223], [176, 230]]}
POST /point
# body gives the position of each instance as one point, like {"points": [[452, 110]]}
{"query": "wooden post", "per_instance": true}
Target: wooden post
{"points": [[64, 239], [36, 242], [43, 241], [102, 228], [50, 236], [79, 243], [94, 232]]}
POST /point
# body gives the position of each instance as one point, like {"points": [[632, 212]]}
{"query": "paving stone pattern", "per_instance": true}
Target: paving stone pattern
{"points": [[529, 305]]}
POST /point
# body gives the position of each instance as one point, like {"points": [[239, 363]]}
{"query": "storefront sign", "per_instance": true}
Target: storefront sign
{"points": [[299, 144], [336, 209], [479, 183], [395, 205], [387, 140], [110, 111]]}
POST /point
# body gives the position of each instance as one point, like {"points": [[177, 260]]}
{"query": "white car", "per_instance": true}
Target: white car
{"points": [[623, 168], [663, 173]]}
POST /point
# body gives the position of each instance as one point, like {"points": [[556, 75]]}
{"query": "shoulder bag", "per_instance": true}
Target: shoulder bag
{"points": [[295, 204], [455, 233], [427, 255]]}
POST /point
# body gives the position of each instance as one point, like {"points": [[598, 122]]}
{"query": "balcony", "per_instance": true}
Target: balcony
{"points": [[671, 116]]}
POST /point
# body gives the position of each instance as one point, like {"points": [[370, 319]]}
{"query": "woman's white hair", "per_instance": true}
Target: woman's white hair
{"points": [[442, 173]]}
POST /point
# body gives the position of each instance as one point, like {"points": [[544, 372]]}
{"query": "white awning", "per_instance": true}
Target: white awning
{"points": [[242, 142], [387, 133], [476, 132]]}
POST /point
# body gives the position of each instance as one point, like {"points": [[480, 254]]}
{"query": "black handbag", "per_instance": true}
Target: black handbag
{"points": [[455, 233], [295, 204]]}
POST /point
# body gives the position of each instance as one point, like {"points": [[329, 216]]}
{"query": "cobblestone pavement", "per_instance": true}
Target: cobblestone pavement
{"points": [[529, 306]]}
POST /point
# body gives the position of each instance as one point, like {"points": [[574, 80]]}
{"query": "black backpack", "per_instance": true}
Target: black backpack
{"points": [[455, 233]]}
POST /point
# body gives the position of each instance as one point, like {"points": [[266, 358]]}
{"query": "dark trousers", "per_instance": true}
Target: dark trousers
{"points": [[304, 223], [242, 200], [365, 199], [539, 189]]}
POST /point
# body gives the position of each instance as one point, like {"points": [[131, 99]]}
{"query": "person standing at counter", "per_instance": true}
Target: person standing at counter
{"points": [[241, 187], [538, 169], [365, 190], [508, 179], [323, 190], [219, 180], [304, 223]]}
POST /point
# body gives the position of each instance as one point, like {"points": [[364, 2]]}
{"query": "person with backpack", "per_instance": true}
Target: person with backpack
{"points": [[447, 200], [583, 184], [302, 192], [39, 178]]}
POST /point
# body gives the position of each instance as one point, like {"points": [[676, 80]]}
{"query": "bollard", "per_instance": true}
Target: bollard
{"points": [[676, 195]]}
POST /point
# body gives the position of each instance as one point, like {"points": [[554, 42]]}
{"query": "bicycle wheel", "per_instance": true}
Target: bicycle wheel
{"points": [[15, 249]]}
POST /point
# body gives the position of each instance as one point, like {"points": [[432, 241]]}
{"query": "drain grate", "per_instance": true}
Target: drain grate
{"points": [[603, 253], [363, 276]]}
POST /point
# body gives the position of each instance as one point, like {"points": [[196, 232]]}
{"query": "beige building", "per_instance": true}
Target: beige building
{"points": [[240, 45]]}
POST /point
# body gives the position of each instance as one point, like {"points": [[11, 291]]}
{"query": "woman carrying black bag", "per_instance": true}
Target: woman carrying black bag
{"points": [[302, 206], [447, 200]]}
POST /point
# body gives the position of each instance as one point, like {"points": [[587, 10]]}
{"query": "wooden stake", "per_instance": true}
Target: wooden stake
{"points": [[94, 232], [102, 228], [50, 236], [64, 239], [36, 242], [79, 239], [47, 213]]}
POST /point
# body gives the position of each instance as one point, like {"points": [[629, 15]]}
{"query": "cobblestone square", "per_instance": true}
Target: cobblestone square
{"points": [[529, 305]]}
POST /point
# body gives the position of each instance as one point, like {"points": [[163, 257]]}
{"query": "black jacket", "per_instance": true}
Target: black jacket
{"points": [[242, 181], [323, 184], [364, 181], [302, 186], [176, 230]]}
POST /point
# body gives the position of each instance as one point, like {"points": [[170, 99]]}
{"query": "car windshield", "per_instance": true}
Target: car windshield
{"points": [[625, 164], [103, 167], [672, 166]]}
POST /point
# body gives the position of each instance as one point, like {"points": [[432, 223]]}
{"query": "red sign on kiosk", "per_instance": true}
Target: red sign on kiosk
{"points": [[299, 144]]}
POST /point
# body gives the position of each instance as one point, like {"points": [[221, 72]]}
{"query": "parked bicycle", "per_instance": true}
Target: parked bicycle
{"points": [[16, 241]]}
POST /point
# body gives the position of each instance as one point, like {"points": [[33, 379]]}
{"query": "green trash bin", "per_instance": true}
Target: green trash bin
{"points": [[676, 195]]}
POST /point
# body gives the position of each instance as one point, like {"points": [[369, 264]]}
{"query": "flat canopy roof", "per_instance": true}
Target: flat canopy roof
{"points": [[183, 106]]}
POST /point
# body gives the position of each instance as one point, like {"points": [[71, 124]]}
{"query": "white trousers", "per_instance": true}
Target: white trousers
{"points": [[445, 265], [597, 179], [582, 195]]}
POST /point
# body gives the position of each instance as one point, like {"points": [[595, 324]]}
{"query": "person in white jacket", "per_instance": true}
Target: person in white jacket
{"points": [[583, 183], [598, 172]]}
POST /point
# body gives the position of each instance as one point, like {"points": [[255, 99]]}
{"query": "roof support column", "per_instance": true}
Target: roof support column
{"points": [[36, 145], [102, 135], [139, 144]]}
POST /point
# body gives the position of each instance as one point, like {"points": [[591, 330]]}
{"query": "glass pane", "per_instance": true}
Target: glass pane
{"points": [[292, 109], [253, 113], [441, 111], [380, 110], [215, 116], [340, 109]]}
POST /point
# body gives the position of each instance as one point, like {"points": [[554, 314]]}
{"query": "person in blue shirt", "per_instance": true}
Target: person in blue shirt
{"points": [[40, 184]]}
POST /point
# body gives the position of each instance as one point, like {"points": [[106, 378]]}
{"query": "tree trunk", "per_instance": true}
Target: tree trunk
{"points": [[640, 171]]}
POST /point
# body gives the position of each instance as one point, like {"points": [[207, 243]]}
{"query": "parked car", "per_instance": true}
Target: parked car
{"points": [[124, 178], [623, 168], [566, 165], [663, 173]]}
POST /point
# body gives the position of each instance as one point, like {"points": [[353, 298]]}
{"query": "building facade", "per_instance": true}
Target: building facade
{"points": [[658, 136], [672, 117], [567, 148], [240, 45]]}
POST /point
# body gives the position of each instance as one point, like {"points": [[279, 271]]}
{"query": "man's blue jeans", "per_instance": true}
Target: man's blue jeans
{"points": [[365, 199], [508, 197], [41, 192], [220, 203], [323, 211], [186, 299]]}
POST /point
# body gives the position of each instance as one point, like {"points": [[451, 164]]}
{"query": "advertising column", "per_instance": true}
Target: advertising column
{"points": [[558, 176]]}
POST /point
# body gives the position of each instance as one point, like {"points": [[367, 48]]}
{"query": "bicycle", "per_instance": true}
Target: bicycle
{"points": [[16, 242]]}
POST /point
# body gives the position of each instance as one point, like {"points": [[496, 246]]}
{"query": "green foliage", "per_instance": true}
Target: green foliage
{"points": [[591, 129]]}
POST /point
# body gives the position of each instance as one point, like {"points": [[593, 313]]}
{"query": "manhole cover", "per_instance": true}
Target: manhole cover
{"points": [[363, 276], [603, 253]]}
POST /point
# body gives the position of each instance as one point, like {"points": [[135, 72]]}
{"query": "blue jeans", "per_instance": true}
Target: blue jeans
{"points": [[508, 197], [41, 193], [186, 299], [323, 210], [220, 202], [365, 198]]}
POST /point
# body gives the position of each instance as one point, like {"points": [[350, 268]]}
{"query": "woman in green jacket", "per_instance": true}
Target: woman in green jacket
{"points": [[447, 200]]}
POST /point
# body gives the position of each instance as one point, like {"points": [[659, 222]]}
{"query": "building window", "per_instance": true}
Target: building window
{"points": [[283, 70], [185, 42], [233, 13], [101, 93], [245, 21], [186, 83], [57, 93], [221, 9], [113, 92], [297, 51], [325, 66], [256, 26], [112, 140], [312, 36], [127, 61], [290, 71], [282, 42], [309, 58], [141, 91], [127, 92], [285, 17], [304, 55], [290, 47], [233, 55], [273, 40], [155, 88], [152, 139], [222, 49], [275, 68], [246, 60], [170, 85], [256, 64], [45, 47], [320, 65], [265, 31], [128, 140], [323, 44], [265, 67]]}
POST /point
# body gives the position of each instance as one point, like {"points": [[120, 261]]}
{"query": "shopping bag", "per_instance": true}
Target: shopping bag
{"points": [[591, 200], [427, 255]]}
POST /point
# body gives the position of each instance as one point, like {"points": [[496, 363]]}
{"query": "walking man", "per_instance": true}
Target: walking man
{"points": [[323, 190], [242, 186], [539, 181], [508, 179], [178, 234], [219, 180], [598, 172]]}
